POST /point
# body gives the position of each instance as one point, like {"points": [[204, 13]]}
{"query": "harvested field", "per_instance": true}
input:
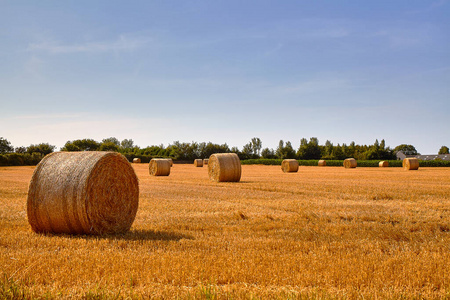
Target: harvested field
{"points": [[323, 232]]}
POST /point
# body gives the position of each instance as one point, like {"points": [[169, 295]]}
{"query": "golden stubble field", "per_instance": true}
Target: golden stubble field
{"points": [[324, 232]]}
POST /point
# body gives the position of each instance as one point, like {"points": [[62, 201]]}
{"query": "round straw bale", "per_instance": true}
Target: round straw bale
{"points": [[410, 163], [159, 167], [224, 167], [205, 161], [289, 165], [170, 161], [350, 163], [322, 163], [136, 160], [383, 164], [83, 193], [198, 162]]}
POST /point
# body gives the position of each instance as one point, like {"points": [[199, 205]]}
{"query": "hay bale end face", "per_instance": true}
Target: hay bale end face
{"points": [[289, 165], [322, 163], [136, 160], [383, 164], [198, 163], [410, 163], [83, 193], [159, 167], [224, 167], [205, 161], [350, 163]]}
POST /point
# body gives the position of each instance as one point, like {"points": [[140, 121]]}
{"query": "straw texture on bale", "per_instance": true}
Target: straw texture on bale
{"points": [[159, 167], [136, 160], [410, 163], [350, 163], [289, 165], [224, 167], [383, 164], [83, 193], [198, 162], [322, 163], [205, 161], [170, 161]]}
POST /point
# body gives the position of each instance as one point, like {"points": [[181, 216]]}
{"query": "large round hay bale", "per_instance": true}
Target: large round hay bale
{"points": [[83, 193], [322, 163], [159, 167], [410, 163], [205, 161], [170, 161], [198, 162], [136, 160], [289, 165], [224, 167], [350, 163], [383, 164]]}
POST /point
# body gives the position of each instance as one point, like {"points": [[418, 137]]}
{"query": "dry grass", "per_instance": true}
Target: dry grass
{"points": [[324, 233]]}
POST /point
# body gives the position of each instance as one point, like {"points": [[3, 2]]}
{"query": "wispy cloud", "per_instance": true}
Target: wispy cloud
{"points": [[434, 5], [122, 43]]}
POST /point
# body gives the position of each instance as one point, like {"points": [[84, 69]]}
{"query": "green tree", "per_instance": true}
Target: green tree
{"points": [[127, 144], [108, 146], [268, 153], [309, 150], [113, 140], [5, 146], [406, 149], [256, 146], [285, 151], [43, 148], [444, 150], [20, 149], [81, 145]]}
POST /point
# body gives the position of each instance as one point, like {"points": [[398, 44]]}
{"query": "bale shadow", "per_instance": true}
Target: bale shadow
{"points": [[132, 235]]}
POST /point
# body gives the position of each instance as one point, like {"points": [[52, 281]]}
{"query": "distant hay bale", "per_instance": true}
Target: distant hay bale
{"points": [[224, 167], [289, 165], [383, 164], [322, 163], [159, 167], [410, 163], [83, 193], [205, 161], [136, 160], [350, 163], [198, 162]]}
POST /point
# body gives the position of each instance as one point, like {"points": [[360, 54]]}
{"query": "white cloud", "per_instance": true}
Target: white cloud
{"points": [[122, 43]]}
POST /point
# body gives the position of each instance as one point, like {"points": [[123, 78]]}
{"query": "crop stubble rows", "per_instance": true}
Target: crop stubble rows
{"points": [[327, 231]]}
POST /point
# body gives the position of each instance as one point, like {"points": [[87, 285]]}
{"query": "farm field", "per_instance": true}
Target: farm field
{"points": [[324, 232]]}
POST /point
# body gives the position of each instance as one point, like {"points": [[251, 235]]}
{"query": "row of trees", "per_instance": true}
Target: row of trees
{"points": [[252, 150]]}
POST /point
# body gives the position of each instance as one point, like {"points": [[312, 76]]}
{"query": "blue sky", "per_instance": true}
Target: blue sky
{"points": [[226, 71]]}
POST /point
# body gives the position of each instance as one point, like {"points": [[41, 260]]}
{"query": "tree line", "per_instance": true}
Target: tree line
{"points": [[308, 149]]}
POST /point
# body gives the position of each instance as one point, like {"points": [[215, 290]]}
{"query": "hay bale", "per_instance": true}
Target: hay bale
{"points": [[410, 163], [205, 161], [159, 167], [224, 167], [83, 193], [198, 163], [383, 164], [322, 163], [136, 160], [170, 161], [289, 165], [350, 163]]}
